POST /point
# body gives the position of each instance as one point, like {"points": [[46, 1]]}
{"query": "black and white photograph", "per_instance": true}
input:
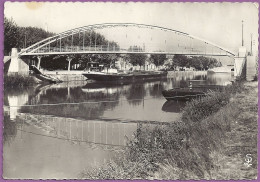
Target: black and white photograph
{"points": [[130, 90]]}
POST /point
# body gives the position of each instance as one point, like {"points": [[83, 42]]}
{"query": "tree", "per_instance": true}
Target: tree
{"points": [[168, 64], [158, 59], [196, 63], [137, 59], [179, 60], [11, 35], [21, 37], [214, 63], [205, 62], [32, 35]]}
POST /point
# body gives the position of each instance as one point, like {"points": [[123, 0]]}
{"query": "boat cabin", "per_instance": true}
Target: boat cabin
{"points": [[94, 66]]}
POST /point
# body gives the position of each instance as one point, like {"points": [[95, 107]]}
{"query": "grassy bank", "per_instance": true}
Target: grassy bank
{"points": [[210, 142], [14, 81]]}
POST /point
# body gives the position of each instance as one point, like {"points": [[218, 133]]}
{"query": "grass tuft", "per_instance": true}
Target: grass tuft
{"points": [[16, 80]]}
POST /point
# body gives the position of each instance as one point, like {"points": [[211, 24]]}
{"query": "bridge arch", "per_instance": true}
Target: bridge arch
{"points": [[32, 50]]}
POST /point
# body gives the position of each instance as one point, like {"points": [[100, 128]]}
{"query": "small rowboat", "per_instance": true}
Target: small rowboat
{"points": [[182, 94], [188, 93]]}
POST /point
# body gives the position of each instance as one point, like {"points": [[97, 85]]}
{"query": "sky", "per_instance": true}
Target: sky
{"points": [[220, 23]]}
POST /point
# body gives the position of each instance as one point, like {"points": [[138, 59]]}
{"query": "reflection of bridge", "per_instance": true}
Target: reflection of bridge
{"points": [[63, 43]]}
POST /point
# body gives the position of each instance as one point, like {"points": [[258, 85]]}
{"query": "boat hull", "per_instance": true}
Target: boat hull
{"points": [[45, 78], [182, 94], [125, 77], [190, 92]]}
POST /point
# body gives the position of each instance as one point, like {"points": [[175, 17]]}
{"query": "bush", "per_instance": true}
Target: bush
{"points": [[181, 145], [199, 109], [18, 81], [118, 168]]}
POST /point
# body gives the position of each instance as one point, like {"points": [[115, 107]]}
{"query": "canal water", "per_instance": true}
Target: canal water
{"points": [[57, 131]]}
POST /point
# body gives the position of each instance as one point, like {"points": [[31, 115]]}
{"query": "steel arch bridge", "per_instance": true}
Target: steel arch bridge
{"points": [[44, 47]]}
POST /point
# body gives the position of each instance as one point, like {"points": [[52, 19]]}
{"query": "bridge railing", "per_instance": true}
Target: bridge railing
{"points": [[86, 49]]}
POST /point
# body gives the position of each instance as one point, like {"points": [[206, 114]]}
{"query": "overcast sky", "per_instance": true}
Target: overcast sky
{"points": [[219, 23]]}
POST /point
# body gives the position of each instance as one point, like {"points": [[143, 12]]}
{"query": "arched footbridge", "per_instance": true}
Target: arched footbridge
{"points": [[152, 40]]}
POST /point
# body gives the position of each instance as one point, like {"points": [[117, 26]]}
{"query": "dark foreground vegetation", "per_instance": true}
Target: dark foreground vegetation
{"points": [[210, 142], [18, 81]]}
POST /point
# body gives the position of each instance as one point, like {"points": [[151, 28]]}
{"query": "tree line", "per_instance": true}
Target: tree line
{"points": [[22, 37], [197, 62], [135, 59]]}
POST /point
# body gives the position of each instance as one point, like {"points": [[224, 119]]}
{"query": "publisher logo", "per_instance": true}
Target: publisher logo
{"points": [[248, 160]]}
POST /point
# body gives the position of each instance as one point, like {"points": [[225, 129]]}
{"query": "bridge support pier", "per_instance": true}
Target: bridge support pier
{"points": [[147, 62], [69, 59], [14, 64], [39, 61], [17, 65]]}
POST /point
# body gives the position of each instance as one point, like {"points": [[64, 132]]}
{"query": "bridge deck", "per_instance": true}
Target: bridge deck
{"points": [[123, 52]]}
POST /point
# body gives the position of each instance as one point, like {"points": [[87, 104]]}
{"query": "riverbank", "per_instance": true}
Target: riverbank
{"points": [[16, 80], [19, 81], [212, 141], [240, 143]]}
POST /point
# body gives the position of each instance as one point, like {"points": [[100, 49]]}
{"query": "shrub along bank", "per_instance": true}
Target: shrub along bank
{"points": [[14, 81], [197, 147]]}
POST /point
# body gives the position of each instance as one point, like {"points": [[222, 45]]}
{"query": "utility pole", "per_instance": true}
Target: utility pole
{"points": [[251, 45], [25, 40], [242, 33]]}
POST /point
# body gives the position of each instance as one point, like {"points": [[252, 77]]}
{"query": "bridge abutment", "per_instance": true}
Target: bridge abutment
{"points": [[245, 66], [17, 65], [240, 64], [251, 67]]}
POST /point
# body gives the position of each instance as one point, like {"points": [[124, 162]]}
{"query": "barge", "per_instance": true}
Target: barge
{"points": [[98, 72], [128, 77]]}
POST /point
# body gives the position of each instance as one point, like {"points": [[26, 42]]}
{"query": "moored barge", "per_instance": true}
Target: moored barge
{"points": [[128, 77]]}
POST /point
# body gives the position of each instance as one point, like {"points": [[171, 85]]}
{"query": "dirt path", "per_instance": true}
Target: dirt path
{"points": [[238, 159]]}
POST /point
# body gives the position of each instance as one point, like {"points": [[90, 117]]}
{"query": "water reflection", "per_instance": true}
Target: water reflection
{"points": [[173, 106], [219, 78], [157, 88], [14, 99], [10, 129], [136, 94]]}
